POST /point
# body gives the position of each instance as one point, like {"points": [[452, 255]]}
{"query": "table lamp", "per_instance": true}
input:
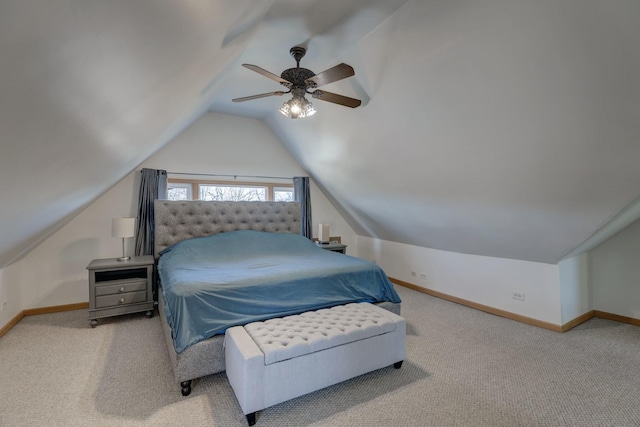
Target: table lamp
{"points": [[123, 227], [323, 233]]}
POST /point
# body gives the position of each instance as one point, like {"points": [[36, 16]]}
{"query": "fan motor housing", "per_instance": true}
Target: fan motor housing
{"points": [[297, 76]]}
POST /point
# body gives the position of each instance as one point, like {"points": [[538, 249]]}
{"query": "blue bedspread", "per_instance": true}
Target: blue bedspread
{"points": [[212, 283]]}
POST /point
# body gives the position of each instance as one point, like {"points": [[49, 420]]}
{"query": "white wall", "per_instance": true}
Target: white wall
{"points": [[222, 144], [606, 279], [484, 280], [55, 272], [575, 289], [615, 273], [10, 293]]}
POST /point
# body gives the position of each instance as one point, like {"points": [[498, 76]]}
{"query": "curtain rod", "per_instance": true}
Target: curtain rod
{"points": [[230, 176]]}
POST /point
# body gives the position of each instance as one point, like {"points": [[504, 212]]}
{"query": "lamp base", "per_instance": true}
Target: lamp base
{"points": [[123, 257]]}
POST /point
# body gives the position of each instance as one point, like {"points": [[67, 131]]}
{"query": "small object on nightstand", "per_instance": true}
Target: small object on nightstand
{"points": [[123, 227], [333, 246], [120, 287], [323, 233]]}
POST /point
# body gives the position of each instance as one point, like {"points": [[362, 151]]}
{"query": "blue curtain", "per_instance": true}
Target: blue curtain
{"points": [[302, 194], [153, 185]]}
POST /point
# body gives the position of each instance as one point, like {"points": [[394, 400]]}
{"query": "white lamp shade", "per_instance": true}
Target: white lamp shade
{"points": [[323, 233], [123, 227]]}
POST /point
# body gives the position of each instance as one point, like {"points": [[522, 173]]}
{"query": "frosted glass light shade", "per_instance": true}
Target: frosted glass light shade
{"points": [[297, 108]]}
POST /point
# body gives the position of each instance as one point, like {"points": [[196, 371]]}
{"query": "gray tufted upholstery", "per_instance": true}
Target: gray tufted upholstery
{"points": [[264, 369], [293, 336], [180, 220]]}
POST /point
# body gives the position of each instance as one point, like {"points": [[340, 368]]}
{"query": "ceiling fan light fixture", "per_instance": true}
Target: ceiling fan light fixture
{"points": [[299, 80], [297, 108]]}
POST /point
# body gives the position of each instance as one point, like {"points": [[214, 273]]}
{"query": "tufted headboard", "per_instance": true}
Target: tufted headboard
{"points": [[180, 220]]}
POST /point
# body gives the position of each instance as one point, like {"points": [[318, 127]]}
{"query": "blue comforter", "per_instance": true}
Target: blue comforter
{"points": [[212, 283]]}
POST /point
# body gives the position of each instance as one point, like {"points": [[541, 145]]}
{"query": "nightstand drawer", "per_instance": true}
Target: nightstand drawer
{"points": [[121, 299], [121, 287]]}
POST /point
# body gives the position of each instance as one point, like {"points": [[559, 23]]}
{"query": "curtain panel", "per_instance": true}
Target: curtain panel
{"points": [[302, 194], [153, 185]]}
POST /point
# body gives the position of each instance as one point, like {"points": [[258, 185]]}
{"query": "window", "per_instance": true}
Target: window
{"points": [[179, 191], [235, 193], [182, 189], [283, 194]]}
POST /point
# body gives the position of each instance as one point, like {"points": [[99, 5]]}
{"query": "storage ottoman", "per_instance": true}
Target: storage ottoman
{"points": [[279, 359]]}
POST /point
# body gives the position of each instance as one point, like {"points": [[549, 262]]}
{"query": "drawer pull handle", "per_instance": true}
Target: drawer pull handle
{"points": [[121, 300], [122, 289]]}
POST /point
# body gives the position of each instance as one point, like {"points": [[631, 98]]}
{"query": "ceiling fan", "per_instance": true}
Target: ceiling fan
{"points": [[299, 81]]}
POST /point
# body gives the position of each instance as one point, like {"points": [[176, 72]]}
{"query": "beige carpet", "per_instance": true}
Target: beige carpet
{"points": [[463, 368]]}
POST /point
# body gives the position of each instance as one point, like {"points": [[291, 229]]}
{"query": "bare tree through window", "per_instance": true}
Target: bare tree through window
{"points": [[221, 191], [233, 193], [283, 194], [179, 191]]}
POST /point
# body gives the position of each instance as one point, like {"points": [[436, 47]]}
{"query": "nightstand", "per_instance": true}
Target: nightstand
{"points": [[120, 287], [333, 246]]}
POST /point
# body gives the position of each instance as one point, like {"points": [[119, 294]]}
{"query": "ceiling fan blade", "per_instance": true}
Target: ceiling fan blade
{"points": [[335, 98], [333, 74], [262, 95], [266, 73]]}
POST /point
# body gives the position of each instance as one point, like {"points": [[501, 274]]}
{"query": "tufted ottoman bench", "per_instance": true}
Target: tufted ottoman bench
{"points": [[276, 360]]}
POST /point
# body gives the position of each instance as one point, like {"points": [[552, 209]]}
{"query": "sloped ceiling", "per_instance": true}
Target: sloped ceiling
{"points": [[491, 127], [88, 90]]}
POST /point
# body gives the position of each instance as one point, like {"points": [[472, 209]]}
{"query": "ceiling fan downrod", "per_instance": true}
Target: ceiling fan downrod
{"points": [[298, 53]]}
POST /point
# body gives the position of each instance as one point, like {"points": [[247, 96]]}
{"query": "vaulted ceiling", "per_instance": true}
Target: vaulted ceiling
{"points": [[492, 127]]}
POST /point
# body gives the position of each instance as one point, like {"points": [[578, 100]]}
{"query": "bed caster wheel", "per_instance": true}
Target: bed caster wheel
{"points": [[186, 387], [149, 314], [93, 323], [398, 365]]}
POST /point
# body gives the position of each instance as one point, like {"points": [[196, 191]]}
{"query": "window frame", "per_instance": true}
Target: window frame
{"points": [[195, 185]]}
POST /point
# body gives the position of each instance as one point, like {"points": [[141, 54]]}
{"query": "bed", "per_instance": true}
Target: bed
{"points": [[200, 297]]}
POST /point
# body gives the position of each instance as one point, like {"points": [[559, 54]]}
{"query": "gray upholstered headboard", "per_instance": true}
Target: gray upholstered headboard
{"points": [[180, 220]]}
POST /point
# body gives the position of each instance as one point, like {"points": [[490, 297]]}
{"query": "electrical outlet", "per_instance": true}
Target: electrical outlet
{"points": [[518, 295], [414, 274], [423, 276]]}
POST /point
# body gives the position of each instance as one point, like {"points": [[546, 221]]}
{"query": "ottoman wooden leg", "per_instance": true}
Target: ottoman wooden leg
{"points": [[251, 418]]}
